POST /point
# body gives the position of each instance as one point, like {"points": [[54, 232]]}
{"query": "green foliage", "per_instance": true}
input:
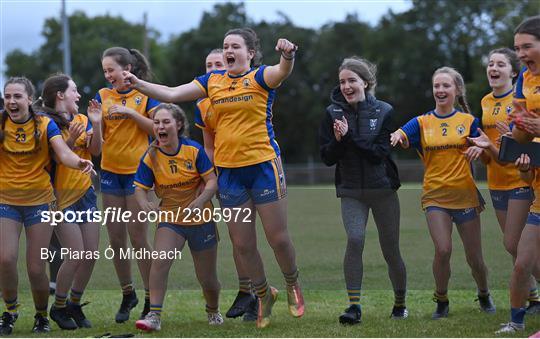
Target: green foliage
{"points": [[407, 47]]}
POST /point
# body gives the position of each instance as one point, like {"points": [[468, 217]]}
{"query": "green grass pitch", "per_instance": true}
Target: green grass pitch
{"points": [[319, 238]]}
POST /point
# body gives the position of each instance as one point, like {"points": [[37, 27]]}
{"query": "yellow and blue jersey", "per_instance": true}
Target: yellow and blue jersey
{"points": [[175, 177], [497, 109], [23, 178], [71, 184], [440, 142], [205, 117], [123, 141], [244, 134], [528, 91]]}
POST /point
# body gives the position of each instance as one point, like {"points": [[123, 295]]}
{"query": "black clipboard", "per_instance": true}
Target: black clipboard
{"points": [[511, 150]]}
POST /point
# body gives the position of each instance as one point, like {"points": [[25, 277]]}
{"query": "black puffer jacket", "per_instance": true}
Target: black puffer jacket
{"points": [[363, 155]]}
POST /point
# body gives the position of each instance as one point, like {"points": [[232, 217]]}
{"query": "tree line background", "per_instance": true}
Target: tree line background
{"points": [[407, 47]]}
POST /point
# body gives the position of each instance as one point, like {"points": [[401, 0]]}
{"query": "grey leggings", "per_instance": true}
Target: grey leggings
{"points": [[385, 211]]}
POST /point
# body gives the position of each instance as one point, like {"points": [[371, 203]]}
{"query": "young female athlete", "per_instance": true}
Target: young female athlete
{"points": [[354, 136], [245, 302], [511, 196], [26, 195], [175, 166], [250, 175], [127, 126], [449, 192], [526, 117], [74, 193]]}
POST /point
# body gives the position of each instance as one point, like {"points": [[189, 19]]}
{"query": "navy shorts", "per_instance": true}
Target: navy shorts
{"points": [[500, 198], [117, 184], [262, 183], [459, 216], [198, 237], [88, 202], [533, 219], [28, 215]]}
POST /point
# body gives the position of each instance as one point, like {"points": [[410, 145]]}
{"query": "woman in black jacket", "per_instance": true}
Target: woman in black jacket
{"points": [[355, 136]]}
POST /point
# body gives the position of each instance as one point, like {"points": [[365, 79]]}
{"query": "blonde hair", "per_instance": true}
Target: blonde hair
{"points": [[460, 86]]}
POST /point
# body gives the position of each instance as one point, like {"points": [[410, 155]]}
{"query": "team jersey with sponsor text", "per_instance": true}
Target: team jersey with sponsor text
{"points": [[497, 109], [71, 184], [123, 141], [528, 92], [440, 142], [24, 180], [244, 134], [175, 178]]}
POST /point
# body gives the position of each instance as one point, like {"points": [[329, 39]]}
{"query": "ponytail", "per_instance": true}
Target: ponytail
{"points": [[140, 66], [462, 101]]}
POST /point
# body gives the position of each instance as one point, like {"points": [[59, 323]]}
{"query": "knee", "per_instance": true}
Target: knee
{"points": [[476, 263], [280, 242], [246, 250], [36, 271], [355, 240], [443, 254], [522, 269], [117, 241], [393, 258], [8, 262], [510, 246], [210, 284], [139, 240]]}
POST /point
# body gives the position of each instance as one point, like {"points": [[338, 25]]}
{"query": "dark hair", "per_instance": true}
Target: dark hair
{"points": [[512, 58], [124, 57], [47, 101], [179, 116], [366, 70], [529, 26], [252, 43], [30, 90], [460, 85]]}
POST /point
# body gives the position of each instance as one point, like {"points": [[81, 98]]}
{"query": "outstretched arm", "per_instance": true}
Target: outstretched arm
{"points": [[185, 92]]}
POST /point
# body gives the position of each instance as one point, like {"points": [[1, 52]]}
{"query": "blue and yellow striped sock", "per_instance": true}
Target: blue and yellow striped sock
{"points": [[60, 301], [42, 311], [156, 308], [146, 295], [354, 296], [12, 306], [399, 298], [441, 296], [261, 289], [75, 297], [209, 309], [518, 315], [127, 288], [291, 278], [244, 285], [533, 295]]}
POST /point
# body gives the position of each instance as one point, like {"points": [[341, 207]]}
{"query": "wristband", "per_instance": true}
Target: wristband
{"points": [[525, 171], [288, 57]]}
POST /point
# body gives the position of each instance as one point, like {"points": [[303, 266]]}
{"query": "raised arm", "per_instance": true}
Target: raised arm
{"points": [[95, 116], [275, 75]]}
